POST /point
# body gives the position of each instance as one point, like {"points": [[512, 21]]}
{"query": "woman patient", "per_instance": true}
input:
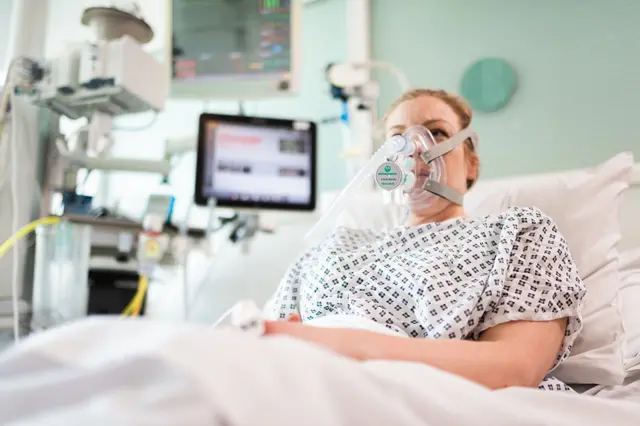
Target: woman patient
{"points": [[495, 299]]}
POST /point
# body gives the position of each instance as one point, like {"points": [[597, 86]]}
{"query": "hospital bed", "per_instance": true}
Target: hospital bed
{"points": [[135, 372]]}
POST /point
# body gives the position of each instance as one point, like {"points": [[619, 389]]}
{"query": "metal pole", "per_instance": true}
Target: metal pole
{"points": [[27, 34]]}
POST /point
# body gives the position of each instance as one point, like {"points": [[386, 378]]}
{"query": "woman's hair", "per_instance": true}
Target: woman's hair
{"points": [[456, 103]]}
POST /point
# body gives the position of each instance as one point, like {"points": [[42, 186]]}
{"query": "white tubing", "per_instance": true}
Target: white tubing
{"points": [[392, 146]]}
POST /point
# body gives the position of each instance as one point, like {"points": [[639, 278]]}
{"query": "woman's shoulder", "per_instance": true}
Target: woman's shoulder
{"points": [[525, 216], [526, 221]]}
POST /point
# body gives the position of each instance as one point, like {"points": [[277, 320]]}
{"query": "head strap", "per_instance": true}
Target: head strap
{"points": [[449, 145]]}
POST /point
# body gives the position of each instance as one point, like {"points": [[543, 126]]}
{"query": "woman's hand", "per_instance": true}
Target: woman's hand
{"points": [[334, 339], [511, 354]]}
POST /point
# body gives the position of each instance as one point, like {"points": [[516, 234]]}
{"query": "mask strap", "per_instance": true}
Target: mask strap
{"points": [[445, 147], [443, 191]]}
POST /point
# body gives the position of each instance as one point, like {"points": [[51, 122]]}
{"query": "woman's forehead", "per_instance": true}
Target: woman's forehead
{"points": [[417, 111]]}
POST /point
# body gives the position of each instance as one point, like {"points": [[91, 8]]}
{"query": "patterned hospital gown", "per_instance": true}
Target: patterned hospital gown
{"points": [[450, 280]]}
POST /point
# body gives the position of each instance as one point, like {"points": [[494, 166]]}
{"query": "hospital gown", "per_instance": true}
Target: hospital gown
{"points": [[446, 280]]}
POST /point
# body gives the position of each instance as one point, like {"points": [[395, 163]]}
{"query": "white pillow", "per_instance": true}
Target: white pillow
{"points": [[586, 206], [630, 299]]}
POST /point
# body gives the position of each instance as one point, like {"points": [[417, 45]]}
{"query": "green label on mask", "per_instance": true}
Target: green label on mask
{"points": [[389, 176]]}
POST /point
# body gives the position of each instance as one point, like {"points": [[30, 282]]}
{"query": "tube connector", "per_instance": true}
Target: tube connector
{"points": [[401, 145]]}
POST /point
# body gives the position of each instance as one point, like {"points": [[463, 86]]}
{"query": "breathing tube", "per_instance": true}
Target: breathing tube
{"points": [[397, 145]]}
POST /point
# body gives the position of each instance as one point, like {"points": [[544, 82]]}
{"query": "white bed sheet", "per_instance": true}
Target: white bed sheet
{"points": [[628, 391], [139, 372]]}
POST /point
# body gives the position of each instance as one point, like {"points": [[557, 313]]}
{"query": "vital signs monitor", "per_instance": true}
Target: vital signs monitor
{"points": [[253, 162], [238, 49]]}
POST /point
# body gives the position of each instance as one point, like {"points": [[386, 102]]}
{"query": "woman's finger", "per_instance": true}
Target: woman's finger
{"points": [[294, 318]]}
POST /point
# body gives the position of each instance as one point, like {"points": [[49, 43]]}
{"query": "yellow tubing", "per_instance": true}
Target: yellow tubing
{"points": [[26, 230], [134, 306]]}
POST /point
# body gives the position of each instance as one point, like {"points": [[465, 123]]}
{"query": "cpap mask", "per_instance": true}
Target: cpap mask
{"points": [[410, 164], [419, 171]]}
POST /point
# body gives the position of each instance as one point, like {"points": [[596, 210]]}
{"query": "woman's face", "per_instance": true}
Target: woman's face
{"points": [[443, 123]]}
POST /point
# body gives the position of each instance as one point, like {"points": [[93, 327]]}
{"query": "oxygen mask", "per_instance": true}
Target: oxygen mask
{"points": [[419, 172], [409, 166]]}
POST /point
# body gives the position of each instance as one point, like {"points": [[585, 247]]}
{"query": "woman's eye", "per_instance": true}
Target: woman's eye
{"points": [[438, 133]]}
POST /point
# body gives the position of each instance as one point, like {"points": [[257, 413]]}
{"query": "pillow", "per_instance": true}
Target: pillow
{"points": [[586, 206], [630, 299]]}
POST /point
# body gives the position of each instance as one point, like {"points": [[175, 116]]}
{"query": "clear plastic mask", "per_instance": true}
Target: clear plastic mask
{"points": [[410, 168], [416, 171], [415, 195]]}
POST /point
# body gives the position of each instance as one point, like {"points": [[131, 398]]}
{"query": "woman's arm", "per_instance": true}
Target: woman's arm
{"points": [[511, 354]]}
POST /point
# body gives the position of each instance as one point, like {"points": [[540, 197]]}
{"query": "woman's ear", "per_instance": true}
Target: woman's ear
{"points": [[473, 167]]}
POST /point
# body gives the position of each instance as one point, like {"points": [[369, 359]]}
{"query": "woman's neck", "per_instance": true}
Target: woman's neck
{"points": [[452, 211]]}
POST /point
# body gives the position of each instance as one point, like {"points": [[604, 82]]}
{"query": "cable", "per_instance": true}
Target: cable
{"points": [[8, 244], [133, 308], [401, 78], [138, 129], [135, 305], [26, 230]]}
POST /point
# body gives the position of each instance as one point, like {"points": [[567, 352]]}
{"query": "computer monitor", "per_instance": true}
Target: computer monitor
{"points": [[233, 49], [256, 163]]}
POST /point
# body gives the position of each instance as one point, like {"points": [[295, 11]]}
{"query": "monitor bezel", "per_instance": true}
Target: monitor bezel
{"points": [[200, 175], [237, 89]]}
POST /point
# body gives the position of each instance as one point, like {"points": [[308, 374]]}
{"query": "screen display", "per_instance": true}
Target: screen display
{"points": [[218, 39], [247, 163]]}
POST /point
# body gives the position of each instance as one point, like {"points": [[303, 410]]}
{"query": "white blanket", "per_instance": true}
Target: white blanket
{"points": [[139, 372]]}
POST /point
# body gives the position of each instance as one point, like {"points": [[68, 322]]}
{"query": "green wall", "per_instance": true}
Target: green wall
{"points": [[578, 61], [577, 103]]}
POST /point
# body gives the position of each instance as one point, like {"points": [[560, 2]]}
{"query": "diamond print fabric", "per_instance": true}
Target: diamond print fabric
{"points": [[450, 280]]}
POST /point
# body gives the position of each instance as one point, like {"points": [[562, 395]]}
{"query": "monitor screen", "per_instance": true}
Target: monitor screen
{"points": [[253, 162], [214, 41]]}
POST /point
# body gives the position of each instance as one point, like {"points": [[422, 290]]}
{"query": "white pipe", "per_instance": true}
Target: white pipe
{"points": [[28, 28], [121, 164], [359, 51], [395, 145], [359, 33], [177, 146]]}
